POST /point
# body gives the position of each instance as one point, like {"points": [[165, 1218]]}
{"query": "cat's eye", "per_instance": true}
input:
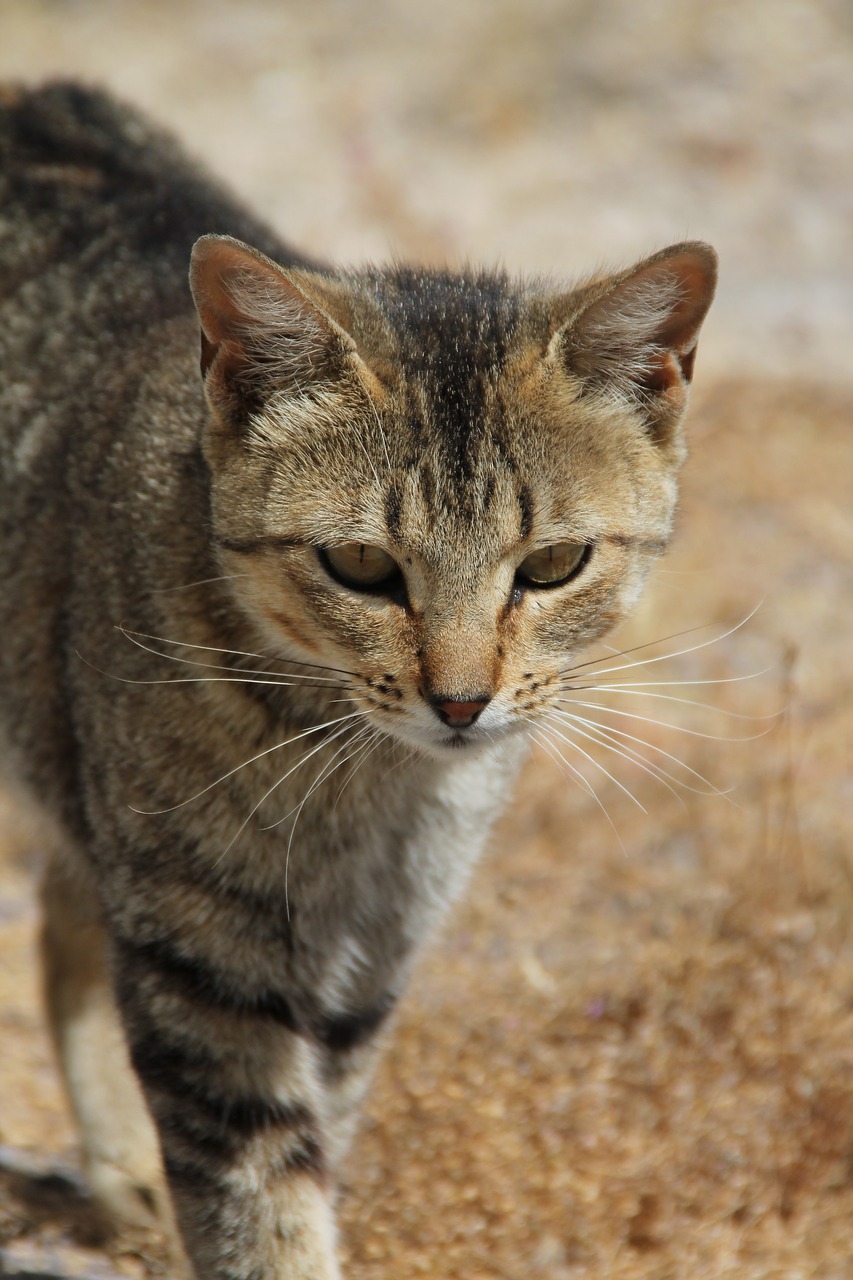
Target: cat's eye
{"points": [[357, 564], [550, 566]]}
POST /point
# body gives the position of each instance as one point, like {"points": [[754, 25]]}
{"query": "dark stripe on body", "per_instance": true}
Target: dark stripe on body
{"points": [[352, 1030], [215, 1124], [199, 982]]}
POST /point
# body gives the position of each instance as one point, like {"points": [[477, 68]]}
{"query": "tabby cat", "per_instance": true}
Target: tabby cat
{"points": [[276, 632]]}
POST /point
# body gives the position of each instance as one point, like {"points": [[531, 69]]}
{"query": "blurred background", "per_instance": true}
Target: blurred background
{"points": [[631, 1053]]}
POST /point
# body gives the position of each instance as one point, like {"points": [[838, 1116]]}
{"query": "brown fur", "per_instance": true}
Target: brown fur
{"points": [[271, 781]]}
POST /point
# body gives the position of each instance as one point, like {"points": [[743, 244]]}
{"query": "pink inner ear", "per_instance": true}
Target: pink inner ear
{"points": [[696, 276]]}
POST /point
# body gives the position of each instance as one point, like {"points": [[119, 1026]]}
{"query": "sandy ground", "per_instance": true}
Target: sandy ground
{"points": [[631, 1053]]}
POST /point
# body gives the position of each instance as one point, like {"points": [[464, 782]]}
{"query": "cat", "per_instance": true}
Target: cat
{"points": [[279, 618]]}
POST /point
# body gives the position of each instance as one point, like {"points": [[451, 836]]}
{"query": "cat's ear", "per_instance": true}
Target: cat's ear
{"points": [[263, 328], [637, 332]]}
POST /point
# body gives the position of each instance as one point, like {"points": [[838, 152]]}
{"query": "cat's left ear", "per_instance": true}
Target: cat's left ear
{"points": [[636, 332], [263, 328]]}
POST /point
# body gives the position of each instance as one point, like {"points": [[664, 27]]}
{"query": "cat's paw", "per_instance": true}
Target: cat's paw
{"points": [[127, 1200]]}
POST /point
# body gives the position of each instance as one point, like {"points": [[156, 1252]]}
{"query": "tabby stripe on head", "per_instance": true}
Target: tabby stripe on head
{"points": [[525, 502], [394, 507]]}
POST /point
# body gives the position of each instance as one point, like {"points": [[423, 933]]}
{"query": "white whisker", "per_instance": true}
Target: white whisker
{"points": [[640, 691], [401, 760], [299, 682], [202, 582], [377, 739], [237, 653], [663, 724], [610, 742], [214, 666], [678, 653], [378, 420], [613, 732], [666, 684], [304, 733], [634, 648], [329, 767], [539, 736], [300, 762], [326, 772], [596, 763]]}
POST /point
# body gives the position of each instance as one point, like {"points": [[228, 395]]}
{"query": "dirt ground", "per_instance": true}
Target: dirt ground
{"points": [[630, 1054]]}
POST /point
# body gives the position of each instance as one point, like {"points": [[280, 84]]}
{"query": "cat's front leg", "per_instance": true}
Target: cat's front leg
{"points": [[236, 1098]]}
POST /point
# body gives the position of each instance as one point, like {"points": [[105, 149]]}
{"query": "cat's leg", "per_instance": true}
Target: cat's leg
{"points": [[120, 1152], [237, 1095]]}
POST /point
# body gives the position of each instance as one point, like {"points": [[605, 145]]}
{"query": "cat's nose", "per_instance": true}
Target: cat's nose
{"points": [[459, 713]]}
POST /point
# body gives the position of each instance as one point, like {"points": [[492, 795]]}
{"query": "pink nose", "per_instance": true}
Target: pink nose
{"points": [[459, 713]]}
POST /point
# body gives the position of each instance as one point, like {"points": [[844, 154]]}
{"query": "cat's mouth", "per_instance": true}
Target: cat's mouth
{"points": [[472, 739]]}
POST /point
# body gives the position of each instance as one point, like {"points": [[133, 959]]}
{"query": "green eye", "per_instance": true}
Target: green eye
{"points": [[358, 565], [550, 566]]}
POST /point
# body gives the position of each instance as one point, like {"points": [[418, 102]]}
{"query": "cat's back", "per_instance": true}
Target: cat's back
{"points": [[99, 386], [88, 185]]}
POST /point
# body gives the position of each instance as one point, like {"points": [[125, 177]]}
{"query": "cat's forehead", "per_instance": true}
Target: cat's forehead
{"points": [[449, 340], [451, 433]]}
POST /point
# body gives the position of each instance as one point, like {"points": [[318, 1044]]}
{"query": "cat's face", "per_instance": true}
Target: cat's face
{"points": [[443, 488]]}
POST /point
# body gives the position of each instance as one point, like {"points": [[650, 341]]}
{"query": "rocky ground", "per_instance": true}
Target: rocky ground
{"points": [[631, 1053]]}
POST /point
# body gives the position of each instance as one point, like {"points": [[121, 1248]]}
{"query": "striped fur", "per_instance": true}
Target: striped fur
{"points": [[260, 798]]}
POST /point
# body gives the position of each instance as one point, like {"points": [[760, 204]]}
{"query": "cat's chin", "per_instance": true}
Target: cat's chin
{"points": [[459, 744]]}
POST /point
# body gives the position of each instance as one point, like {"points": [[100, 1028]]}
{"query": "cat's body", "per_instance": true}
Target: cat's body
{"points": [[347, 531]]}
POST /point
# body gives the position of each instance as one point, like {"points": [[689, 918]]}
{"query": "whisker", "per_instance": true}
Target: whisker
{"points": [[596, 763], [328, 767], [540, 738], [665, 684], [375, 413], [324, 773], [304, 733], [678, 653], [213, 666], [635, 648], [638, 691], [376, 739], [300, 762], [607, 739], [612, 731], [202, 582], [663, 724], [411, 752], [238, 653], [301, 682]]}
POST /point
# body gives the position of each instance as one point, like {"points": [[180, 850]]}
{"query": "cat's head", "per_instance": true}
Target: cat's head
{"points": [[444, 485]]}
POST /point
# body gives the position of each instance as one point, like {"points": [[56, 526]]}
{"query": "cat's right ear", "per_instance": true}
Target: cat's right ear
{"points": [[261, 329]]}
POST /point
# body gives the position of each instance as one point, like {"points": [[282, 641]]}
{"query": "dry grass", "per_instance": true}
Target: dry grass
{"points": [[628, 1060]]}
